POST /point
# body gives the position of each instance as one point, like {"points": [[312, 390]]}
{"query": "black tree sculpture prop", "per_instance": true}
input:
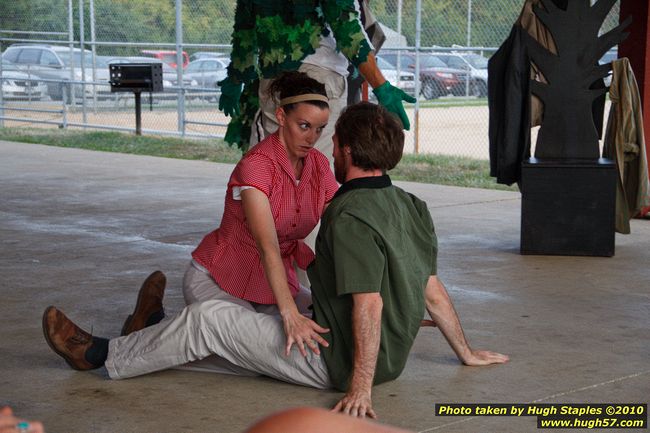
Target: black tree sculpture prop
{"points": [[568, 129]]}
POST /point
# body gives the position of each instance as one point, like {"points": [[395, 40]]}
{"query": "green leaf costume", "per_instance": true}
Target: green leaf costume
{"points": [[272, 36]]}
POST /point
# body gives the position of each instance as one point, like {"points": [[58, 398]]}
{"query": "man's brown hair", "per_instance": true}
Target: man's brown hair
{"points": [[374, 135]]}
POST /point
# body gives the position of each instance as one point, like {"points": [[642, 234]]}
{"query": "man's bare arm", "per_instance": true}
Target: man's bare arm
{"points": [[444, 316], [366, 328]]}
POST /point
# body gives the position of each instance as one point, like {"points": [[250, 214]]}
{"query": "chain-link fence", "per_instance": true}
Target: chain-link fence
{"points": [[453, 39]]}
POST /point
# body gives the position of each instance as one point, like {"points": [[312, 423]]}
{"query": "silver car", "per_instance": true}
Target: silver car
{"points": [[206, 73], [55, 63], [20, 85]]}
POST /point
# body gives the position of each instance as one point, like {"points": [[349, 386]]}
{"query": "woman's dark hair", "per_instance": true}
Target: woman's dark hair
{"points": [[294, 83], [374, 135]]}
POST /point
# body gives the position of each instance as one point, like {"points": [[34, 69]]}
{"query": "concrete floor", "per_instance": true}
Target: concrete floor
{"points": [[81, 230]]}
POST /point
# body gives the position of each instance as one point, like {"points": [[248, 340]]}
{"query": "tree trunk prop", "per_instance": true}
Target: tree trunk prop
{"points": [[568, 130]]}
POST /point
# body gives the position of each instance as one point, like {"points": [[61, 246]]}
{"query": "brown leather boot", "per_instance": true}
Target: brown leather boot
{"points": [[149, 308], [67, 339]]}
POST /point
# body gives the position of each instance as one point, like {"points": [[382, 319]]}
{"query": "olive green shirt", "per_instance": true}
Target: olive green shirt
{"points": [[374, 237]]}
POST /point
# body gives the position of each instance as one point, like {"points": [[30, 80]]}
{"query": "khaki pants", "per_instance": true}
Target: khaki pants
{"points": [[222, 334]]}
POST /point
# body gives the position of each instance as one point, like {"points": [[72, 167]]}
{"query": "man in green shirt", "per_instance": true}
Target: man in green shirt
{"points": [[375, 267]]}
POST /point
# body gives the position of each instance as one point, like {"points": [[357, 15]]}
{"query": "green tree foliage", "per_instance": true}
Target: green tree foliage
{"points": [[42, 15], [208, 22], [444, 22]]}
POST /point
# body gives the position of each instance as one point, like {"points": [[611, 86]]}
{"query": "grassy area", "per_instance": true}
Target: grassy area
{"points": [[453, 102], [170, 147], [438, 169], [447, 170]]}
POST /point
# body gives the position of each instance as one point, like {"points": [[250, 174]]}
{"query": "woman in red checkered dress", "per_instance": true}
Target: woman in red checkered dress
{"points": [[276, 195]]}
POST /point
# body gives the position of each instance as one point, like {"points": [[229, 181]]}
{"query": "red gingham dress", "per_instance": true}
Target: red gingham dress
{"points": [[230, 253]]}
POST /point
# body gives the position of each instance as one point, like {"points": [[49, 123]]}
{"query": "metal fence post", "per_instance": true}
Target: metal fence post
{"points": [[2, 102], [82, 36], [398, 65], [91, 11], [71, 45], [469, 41], [179, 66], [469, 23], [416, 114]]}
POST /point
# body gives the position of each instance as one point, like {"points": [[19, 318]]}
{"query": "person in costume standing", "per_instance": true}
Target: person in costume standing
{"points": [[317, 37]]}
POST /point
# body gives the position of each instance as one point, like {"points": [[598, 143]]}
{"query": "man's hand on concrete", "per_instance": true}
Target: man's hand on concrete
{"points": [[443, 315], [484, 357], [357, 404], [302, 330]]}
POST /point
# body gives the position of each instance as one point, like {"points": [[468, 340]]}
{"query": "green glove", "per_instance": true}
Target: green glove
{"points": [[229, 100], [391, 98], [234, 133]]}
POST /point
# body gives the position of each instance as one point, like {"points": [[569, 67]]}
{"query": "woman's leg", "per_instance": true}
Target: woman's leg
{"points": [[198, 286]]}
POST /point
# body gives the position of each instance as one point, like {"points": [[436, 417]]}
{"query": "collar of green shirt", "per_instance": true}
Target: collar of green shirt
{"points": [[372, 182]]}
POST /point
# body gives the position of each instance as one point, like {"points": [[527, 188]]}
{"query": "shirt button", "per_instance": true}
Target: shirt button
{"points": [[293, 225], [297, 210]]}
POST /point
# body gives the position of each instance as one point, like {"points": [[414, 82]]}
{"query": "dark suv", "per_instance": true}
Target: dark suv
{"points": [[435, 77], [476, 67]]}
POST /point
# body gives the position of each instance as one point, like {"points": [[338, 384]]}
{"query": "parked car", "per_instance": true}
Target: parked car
{"points": [[206, 73], [20, 85], [476, 65], [436, 79], [608, 57], [166, 56], [52, 62], [102, 75], [209, 55], [405, 80]]}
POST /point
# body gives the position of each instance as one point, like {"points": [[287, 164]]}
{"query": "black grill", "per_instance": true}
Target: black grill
{"points": [[136, 77]]}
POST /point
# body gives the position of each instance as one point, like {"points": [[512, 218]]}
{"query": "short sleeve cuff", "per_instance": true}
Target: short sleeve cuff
{"points": [[236, 191], [254, 170]]}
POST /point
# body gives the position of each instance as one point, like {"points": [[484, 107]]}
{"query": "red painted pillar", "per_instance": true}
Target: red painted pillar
{"points": [[637, 48]]}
